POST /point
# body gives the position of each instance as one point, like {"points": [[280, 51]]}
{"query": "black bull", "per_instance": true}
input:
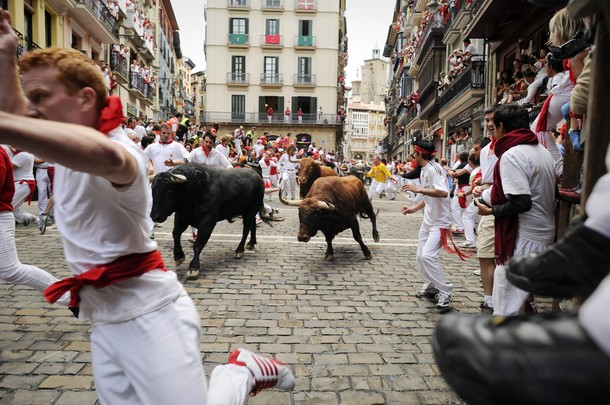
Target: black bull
{"points": [[201, 196], [333, 205]]}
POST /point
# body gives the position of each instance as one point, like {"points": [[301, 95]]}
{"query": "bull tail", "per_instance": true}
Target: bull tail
{"points": [[364, 215]]}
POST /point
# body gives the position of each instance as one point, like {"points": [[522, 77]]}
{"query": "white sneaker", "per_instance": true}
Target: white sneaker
{"points": [[444, 299], [477, 272], [467, 245], [268, 373]]}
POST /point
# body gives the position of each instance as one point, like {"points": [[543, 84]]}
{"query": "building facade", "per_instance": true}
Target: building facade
{"points": [[277, 65], [449, 98]]}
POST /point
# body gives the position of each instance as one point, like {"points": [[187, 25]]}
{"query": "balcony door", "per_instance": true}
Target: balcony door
{"points": [[271, 69], [238, 108], [238, 69]]}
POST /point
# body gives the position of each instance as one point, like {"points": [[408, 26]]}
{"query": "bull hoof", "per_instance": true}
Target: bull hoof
{"points": [[238, 255], [192, 273], [328, 257], [376, 237], [368, 256], [250, 247], [179, 261]]}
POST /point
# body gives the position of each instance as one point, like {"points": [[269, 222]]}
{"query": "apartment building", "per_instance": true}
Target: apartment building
{"points": [[422, 37], [277, 65], [198, 84], [114, 33]]}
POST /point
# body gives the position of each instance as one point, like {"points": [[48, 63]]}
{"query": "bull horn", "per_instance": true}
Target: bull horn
{"points": [[325, 206], [293, 161], [177, 178], [318, 162], [271, 190], [294, 203]]}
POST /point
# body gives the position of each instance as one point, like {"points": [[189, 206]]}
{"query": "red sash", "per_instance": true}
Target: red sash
{"points": [[32, 186], [123, 268]]}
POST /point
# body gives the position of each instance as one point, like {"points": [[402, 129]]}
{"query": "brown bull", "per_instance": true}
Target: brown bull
{"points": [[333, 205], [310, 170]]}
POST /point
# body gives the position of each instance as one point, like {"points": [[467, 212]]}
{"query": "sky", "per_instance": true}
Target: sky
{"points": [[367, 28]]}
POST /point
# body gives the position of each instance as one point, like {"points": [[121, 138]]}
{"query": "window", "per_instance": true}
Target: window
{"points": [[238, 25], [304, 66], [271, 69], [272, 27], [238, 69], [238, 107], [305, 28], [273, 3], [48, 32]]}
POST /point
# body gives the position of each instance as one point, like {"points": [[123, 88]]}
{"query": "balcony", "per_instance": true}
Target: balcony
{"points": [[238, 5], [255, 118], [305, 6], [120, 66], [272, 41], [471, 78], [304, 42], [458, 22], [272, 5], [238, 41], [140, 88], [272, 79], [97, 18], [304, 80], [24, 44], [238, 79]]}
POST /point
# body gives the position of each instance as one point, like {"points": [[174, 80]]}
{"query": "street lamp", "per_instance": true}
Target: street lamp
{"points": [[432, 6]]}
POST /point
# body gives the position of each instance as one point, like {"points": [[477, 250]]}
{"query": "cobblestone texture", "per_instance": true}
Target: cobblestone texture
{"points": [[352, 329]]}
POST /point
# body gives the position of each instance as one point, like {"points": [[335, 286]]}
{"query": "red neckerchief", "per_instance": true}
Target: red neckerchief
{"points": [[111, 116], [123, 268], [492, 146], [206, 151], [166, 143], [507, 226]]}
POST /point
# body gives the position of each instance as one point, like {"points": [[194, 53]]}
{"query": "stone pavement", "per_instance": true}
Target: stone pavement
{"points": [[352, 329]]}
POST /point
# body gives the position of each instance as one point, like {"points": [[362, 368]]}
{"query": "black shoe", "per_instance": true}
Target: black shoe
{"points": [[485, 308], [537, 360], [429, 293], [573, 267]]}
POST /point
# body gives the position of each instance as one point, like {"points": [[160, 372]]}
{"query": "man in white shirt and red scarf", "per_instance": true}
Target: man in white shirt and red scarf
{"points": [[521, 200], [146, 334]]}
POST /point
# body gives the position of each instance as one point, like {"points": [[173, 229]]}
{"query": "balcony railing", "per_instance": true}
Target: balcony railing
{"points": [[272, 5], [238, 39], [305, 41], [304, 80], [308, 6], [102, 13], [272, 41], [137, 82], [119, 64], [271, 79], [238, 78], [472, 77], [24, 44], [238, 4], [277, 118]]}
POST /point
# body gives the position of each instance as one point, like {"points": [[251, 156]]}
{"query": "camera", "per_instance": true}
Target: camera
{"points": [[570, 48]]}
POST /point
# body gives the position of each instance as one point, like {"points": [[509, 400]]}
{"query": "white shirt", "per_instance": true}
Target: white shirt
{"points": [[24, 166], [286, 165], [530, 170], [215, 158], [488, 161], [437, 211], [158, 153], [223, 149], [266, 168], [100, 223]]}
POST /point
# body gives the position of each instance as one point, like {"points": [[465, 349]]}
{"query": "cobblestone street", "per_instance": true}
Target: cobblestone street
{"points": [[352, 329]]}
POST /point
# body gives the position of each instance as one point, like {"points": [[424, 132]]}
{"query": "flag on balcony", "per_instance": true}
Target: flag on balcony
{"points": [[305, 40], [273, 39], [238, 38], [306, 4]]}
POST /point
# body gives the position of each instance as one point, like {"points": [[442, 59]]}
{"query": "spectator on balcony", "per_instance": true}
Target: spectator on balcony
{"points": [[319, 115], [135, 72], [270, 114], [455, 63], [300, 115], [287, 114], [471, 53], [517, 65]]}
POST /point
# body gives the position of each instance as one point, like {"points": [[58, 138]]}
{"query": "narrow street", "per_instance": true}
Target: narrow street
{"points": [[352, 329]]}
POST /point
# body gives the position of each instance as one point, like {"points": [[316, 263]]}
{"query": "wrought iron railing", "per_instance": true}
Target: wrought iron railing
{"points": [[238, 78], [277, 118], [119, 64], [272, 78], [24, 44], [304, 80], [472, 77], [103, 13]]}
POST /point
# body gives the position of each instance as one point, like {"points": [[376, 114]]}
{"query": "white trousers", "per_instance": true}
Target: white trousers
{"points": [[509, 300], [427, 262], [12, 270], [289, 181], [456, 209], [469, 218], [43, 184], [154, 359], [22, 191], [376, 188], [598, 207]]}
